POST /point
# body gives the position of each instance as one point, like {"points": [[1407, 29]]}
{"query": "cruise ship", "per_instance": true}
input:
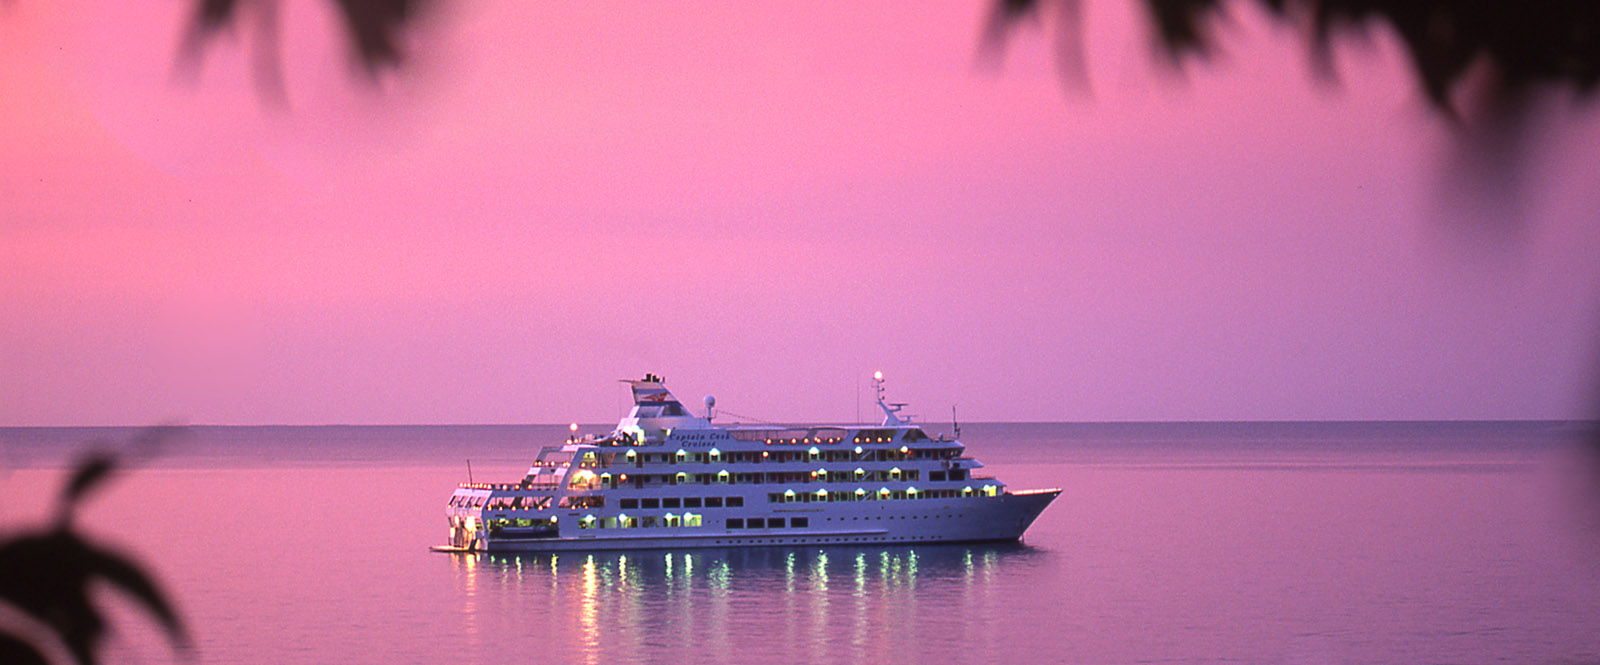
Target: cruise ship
{"points": [[666, 478]]}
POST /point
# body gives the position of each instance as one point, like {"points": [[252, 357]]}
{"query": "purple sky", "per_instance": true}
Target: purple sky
{"points": [[765, 203]]}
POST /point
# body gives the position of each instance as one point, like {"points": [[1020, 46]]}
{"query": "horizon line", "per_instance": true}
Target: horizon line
{"points": [[1589, 421]]}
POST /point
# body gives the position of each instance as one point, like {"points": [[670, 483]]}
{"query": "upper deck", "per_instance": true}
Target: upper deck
{"points": [[660, 419]]}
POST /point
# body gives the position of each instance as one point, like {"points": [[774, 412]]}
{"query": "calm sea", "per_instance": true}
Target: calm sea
{"points": [[1247, 543]]}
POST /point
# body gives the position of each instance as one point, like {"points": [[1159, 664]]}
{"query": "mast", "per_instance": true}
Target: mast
{"points": [[891, 410]]}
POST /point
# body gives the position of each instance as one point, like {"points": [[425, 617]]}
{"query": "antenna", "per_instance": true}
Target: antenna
{"points": [[469, 472], [956, 424], [858, 398]]}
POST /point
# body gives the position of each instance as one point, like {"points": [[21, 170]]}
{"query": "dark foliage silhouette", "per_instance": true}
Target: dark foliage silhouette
{"points": [[47, 578], [373, 27], [1505, 50]]}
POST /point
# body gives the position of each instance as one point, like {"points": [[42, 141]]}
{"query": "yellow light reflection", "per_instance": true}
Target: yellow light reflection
{"points": [[588, 612]]}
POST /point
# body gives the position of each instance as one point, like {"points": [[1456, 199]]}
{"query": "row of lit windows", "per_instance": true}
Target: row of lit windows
{"points": [[883, 494], [503, 502], [524, 523], [815, 454], [589, 481], [670, 520], [642, 522]]}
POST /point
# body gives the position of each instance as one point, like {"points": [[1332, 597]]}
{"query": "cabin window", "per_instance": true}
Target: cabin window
{"points": [[735, 523], [650, 503], [756, 523], [935, 476], [628, 504], [800, 522], [735, 502], [691, 502], [673, 502], [713, 502], [691, 519]]}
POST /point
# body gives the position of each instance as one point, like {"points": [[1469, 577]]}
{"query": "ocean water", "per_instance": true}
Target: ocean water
{"points": [[1190, 543]]}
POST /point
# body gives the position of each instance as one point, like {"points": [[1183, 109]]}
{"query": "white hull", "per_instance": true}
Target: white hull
{"points": [[1003, 518]]}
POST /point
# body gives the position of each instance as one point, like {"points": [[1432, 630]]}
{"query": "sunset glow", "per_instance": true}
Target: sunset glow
{"points": [[766, 202]]}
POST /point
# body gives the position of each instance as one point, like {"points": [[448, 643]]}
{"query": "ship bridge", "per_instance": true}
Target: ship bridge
{"points": [[656, 412]]}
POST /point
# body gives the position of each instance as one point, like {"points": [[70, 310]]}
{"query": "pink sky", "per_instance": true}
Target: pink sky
{"points": [[766, 203]]}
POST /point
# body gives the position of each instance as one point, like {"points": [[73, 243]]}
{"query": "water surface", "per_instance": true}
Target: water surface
{"points": [[1212, 542]]}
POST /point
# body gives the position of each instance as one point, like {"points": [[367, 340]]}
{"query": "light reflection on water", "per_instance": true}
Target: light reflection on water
{"points": [[718, 604]]}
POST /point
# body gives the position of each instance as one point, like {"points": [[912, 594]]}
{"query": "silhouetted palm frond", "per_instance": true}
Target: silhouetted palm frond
{"points": [[49, 576], [373, 27], [1508, 48], [91, 471]]}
